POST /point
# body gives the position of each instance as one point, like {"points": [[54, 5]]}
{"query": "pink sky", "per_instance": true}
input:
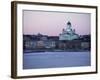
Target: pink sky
{"points": [[52, 23]]}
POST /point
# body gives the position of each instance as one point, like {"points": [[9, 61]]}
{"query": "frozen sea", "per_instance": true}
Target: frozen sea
{"points": [[56, 59]]}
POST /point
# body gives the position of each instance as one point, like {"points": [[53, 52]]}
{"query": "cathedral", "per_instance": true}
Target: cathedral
{"points": [[68, 33]]}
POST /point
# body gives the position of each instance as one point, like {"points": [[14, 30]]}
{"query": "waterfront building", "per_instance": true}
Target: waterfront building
{"points": [[85, 45], [40, 44], [29, 44], [49, 44]]}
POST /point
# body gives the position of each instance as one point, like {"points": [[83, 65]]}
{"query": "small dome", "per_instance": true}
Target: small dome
{"points": [[69, 23]]}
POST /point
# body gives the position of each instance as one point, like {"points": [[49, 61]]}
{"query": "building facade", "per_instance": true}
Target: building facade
{"points": [[68, 40]]}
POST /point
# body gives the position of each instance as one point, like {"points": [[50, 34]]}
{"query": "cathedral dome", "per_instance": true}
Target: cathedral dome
{"points": [[68, 23], [68, 33]]}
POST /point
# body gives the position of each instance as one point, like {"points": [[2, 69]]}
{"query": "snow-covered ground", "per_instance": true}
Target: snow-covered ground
{"points": [[56, 59]]}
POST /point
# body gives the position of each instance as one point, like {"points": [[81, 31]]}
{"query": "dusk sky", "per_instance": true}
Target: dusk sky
{"points": [[52, 23]]}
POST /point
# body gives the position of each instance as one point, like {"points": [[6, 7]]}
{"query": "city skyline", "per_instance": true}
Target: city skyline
{"points": [[52, 23]]}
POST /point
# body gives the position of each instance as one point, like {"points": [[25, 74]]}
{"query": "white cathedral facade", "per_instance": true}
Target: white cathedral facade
{"points": [[68, 33]]}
